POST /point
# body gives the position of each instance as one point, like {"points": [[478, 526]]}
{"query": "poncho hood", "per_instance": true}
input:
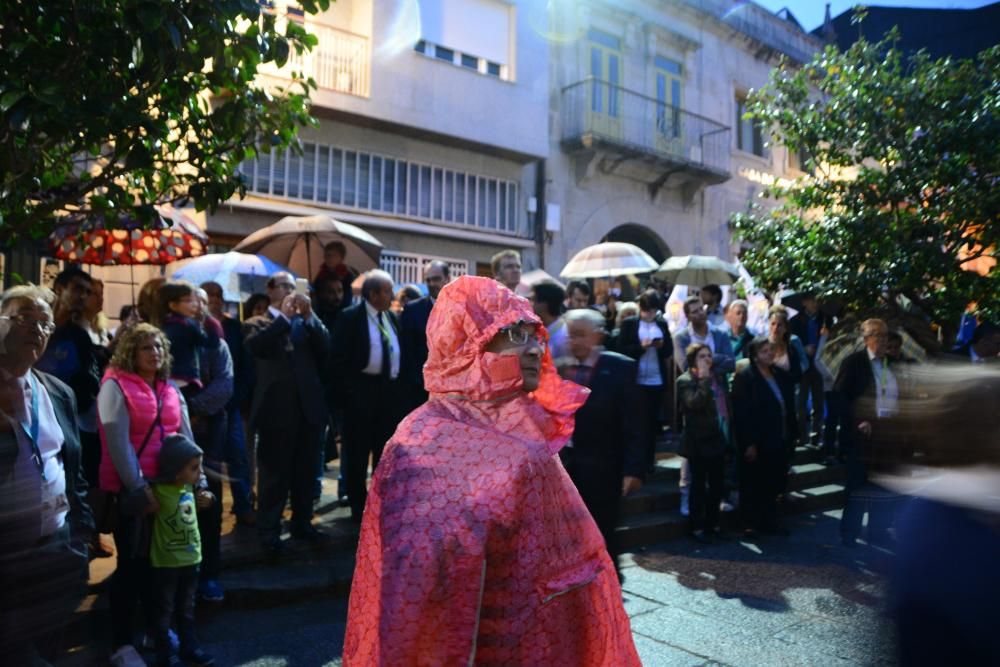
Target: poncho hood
{"points": [[467, 315]]}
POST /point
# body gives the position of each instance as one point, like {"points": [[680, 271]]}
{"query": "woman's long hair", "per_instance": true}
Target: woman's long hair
{"points": [[127, 348]]}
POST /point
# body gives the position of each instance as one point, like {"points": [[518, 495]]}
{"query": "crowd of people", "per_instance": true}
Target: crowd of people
{"points": [[134, 432]]}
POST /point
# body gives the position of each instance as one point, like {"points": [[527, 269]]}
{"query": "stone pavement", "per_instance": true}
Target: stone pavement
{"points": [[801, 600], [797, 600]]}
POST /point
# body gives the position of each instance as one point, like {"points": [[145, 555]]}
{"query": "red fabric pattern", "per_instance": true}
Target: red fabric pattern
{"points": [[475, 546]]}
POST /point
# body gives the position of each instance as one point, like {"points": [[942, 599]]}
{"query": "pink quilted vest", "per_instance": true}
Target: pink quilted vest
{"points": [[141, 404]]}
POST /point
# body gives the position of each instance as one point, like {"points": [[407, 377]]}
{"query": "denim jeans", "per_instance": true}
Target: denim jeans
{"points": [[174, 594]]}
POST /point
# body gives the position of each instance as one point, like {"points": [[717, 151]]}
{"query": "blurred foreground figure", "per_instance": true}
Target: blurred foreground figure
{"points": [[946, 582], [45, 523], [476, 547]]}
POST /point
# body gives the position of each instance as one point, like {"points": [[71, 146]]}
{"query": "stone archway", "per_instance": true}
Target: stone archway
{"points": [[643, 237]]}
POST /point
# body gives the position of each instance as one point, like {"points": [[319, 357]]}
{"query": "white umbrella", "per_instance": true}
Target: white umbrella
{"points": [[607, 260], [532, 278], [697, 270], [239, 274], [297, 242]]}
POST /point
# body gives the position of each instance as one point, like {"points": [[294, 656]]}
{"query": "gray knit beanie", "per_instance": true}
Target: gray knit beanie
{"points": [[176, 452]]}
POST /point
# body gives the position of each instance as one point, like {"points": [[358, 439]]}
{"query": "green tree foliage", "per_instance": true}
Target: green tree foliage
{"points": [[905, 155], [108, 107]]}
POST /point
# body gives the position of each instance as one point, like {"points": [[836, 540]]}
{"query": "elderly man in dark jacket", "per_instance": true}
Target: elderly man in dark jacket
{"points": [[45, 523], [606, 456]]}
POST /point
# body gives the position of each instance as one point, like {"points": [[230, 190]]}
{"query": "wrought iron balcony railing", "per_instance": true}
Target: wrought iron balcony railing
{"points": [[598, 112]]}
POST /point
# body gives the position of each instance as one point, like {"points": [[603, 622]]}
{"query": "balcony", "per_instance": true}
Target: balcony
{"points": [[340, 61], [641, 138]]}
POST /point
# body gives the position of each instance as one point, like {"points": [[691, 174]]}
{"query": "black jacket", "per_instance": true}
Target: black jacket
{"points": [[351, 346], [757, 414], [413, 340], [287, 383], [702, 436], [628, 343], [609, 439]]}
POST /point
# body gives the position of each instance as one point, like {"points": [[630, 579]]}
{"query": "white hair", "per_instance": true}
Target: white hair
{"points": [[28, 292], [373, 279], [591, 317]]}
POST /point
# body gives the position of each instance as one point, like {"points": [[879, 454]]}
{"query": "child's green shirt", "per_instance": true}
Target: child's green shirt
{"points": [[176, 542]]}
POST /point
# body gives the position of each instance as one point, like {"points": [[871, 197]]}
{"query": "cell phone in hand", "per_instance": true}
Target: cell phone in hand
{"points": [[302, 286]]}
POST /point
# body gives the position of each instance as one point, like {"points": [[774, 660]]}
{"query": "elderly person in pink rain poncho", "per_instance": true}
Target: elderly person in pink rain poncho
{"points": [[475, 546]]}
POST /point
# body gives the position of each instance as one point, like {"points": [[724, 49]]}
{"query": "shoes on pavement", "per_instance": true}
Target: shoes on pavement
{"points": [[210, 590], [310, 534], [718, 534], [127, 656], [148, 641], [197, 658], [700, 536], [749, 533], [273, 548], [248, 518]]}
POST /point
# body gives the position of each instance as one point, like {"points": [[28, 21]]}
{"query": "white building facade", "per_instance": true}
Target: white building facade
{"points": [[433, 118], [647, 143]]}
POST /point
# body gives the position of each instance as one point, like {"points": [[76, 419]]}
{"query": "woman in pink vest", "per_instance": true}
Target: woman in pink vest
{"points": [[137, 408]]}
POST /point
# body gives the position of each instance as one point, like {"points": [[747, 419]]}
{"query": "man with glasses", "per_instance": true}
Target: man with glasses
{"points": [[72, 357], [289, 346], [45, 523], [366, 366], [870, 398], [475, 547]]}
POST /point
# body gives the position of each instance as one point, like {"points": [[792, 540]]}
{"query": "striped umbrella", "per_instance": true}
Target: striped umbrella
{"points": [[607, 260]]}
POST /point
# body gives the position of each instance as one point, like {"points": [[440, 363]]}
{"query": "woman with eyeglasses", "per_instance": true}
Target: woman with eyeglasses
{"points": [[475, 545], [137, 408]]}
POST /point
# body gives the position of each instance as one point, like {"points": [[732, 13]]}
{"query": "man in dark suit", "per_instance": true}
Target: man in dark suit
{"points": [[607, 455], [289, 346], [366, 363], [45, 523], [413, 333], [870, 393]]}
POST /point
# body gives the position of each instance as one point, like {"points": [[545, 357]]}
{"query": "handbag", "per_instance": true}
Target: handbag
{"points": [[108, 506]]}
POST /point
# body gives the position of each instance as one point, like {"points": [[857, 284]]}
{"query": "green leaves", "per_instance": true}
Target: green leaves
{"points": [[906, 162], [103, 104]]}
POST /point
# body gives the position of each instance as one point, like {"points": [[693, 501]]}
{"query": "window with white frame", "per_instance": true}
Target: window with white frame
{"points": [[749, 134], [356, 179], [474, 34], [408, 267]]}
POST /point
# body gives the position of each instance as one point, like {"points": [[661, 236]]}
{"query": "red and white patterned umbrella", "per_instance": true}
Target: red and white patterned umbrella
{"points": [[606, 260], [174, 236]]}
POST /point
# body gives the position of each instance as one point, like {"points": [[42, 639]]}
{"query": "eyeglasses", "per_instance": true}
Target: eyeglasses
{"points": [[45, 326], [520, 336]]}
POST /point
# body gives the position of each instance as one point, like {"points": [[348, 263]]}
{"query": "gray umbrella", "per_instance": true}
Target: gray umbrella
{"points": [[297, 242], [697, 270]]}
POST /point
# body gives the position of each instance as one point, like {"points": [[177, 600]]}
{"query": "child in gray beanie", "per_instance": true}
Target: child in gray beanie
{"points": [[175, 551]]}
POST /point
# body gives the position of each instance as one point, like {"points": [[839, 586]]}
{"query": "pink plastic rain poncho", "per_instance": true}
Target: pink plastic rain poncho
{"points": [[475, 545]]}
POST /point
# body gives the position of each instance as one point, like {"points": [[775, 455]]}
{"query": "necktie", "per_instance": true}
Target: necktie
{"points": [[386, 348], [582, 375]]}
